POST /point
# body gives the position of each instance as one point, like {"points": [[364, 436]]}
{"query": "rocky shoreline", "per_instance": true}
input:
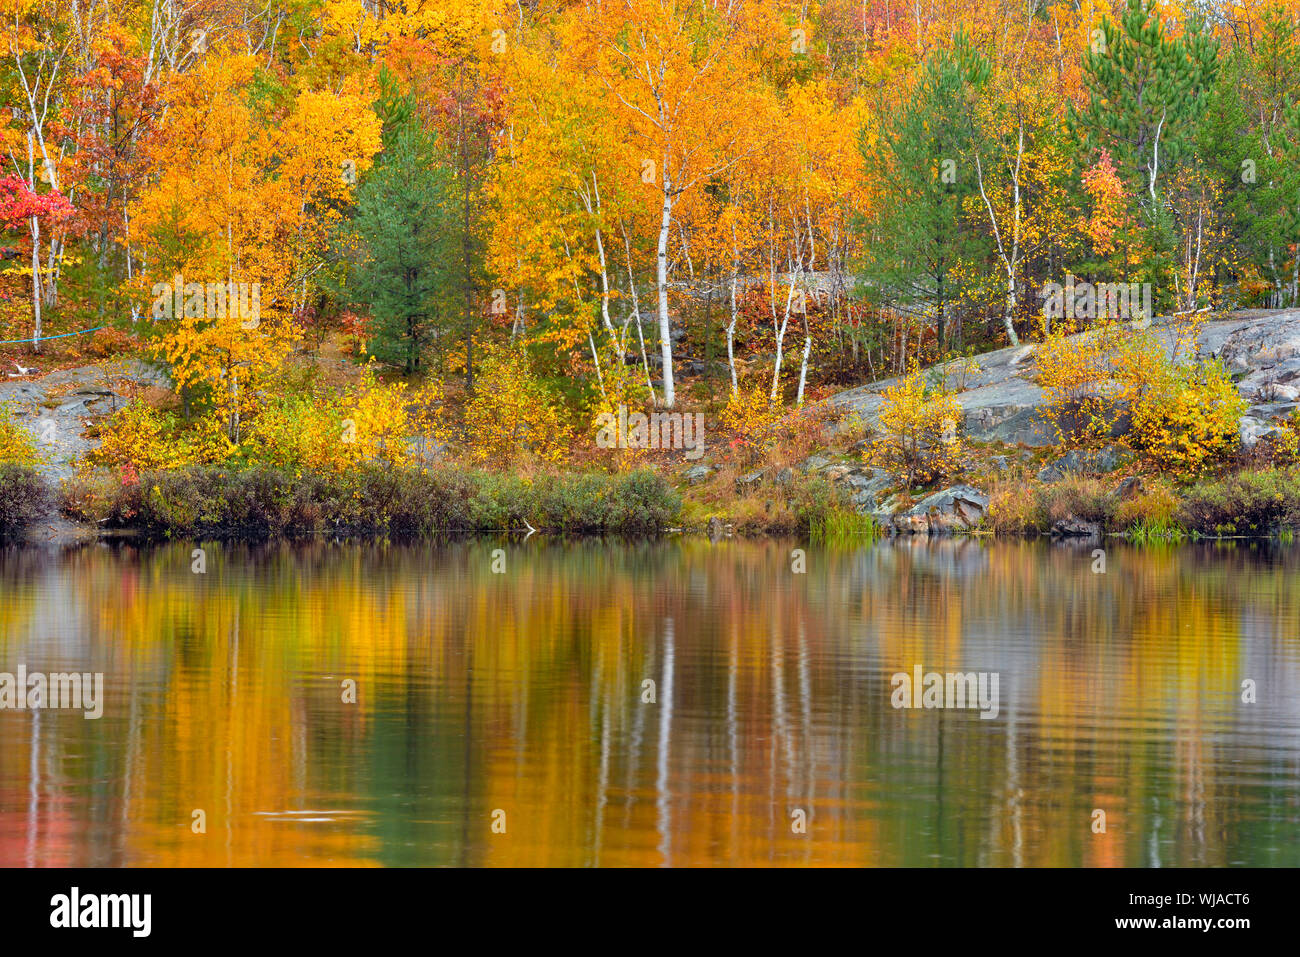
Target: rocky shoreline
{"points": [[1003, 416]]}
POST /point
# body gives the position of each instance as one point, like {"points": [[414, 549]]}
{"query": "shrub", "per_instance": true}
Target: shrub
{"points": [[1184, 414], [512, 417], [918, 430], [24, 498], [140, 437], [1154, 508], [1078, 374], [378, 500], [1024, 508], [1015, 509], [89, 496], [1282, 447], [1080, 497], [297, 432], [133, 436], [814, 500], [16, 445], [1249, 503], [371, 422], [1189, 417]]}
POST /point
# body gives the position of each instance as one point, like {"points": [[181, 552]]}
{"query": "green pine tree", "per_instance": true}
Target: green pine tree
{"points": [[1145, 95], [923, 235], [403, 225]]}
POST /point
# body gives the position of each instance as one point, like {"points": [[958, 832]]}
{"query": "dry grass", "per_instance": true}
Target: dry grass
{"points": [[1015, 509], [1030, 507], [1156, 506]]}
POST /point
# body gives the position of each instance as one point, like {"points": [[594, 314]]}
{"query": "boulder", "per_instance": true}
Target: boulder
{"points": [[1252, 430], [1074, 528], [699, 473], [1277, 392], [867, 486], [750, 480], [956, 509], [885, 512], [1131, 487]]}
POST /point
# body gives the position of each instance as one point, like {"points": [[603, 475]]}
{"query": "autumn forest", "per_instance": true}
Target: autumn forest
{"points": [[805, 194]]}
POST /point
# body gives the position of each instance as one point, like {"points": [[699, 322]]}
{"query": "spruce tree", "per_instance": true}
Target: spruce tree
{"points": [[922, 235], [401, 272]]}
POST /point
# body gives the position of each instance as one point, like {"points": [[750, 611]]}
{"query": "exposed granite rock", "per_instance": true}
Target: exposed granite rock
{"points": [[699, 473], [1084, 462], [1001, 402], [1252, 430], [57, 408], [1131, 487], [956, 509], [867, 485]]}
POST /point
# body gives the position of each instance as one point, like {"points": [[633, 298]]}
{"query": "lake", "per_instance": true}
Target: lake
{"points": [[578, 703]]}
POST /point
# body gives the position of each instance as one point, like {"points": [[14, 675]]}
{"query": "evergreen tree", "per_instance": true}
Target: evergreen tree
{"points": [[1145, 94], [922, 236], [405, 235], [1251, 133]]}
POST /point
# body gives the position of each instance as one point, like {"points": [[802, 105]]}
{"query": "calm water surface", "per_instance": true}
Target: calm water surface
{"points": [[523, 692]]}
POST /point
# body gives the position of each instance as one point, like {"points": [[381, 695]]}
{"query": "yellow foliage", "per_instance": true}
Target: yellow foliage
{"points": [[141, 437], [1189, 416], [371, 422], [1286, 446], [1184, 414], [512, 416], [256, 197], [298, 433], [918, 429], [752, 416], [1089, 378], [1086, 377], [16, 445]]}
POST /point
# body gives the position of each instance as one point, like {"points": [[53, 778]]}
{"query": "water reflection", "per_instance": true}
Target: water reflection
{"points": [[526, 693]]}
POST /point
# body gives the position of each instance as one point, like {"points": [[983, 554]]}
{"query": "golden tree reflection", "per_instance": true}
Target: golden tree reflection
{"points": [[524, 693]]}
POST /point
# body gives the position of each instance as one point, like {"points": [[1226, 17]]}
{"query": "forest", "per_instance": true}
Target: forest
{"points": [[340, 232]]}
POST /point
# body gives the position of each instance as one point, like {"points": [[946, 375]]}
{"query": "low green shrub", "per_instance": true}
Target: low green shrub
{"points": [[824, 513], [1248, 503], [374, 501], [1079, 497]]}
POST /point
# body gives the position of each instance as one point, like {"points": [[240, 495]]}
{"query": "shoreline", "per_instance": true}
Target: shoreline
{"points": [[385, 505]]}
